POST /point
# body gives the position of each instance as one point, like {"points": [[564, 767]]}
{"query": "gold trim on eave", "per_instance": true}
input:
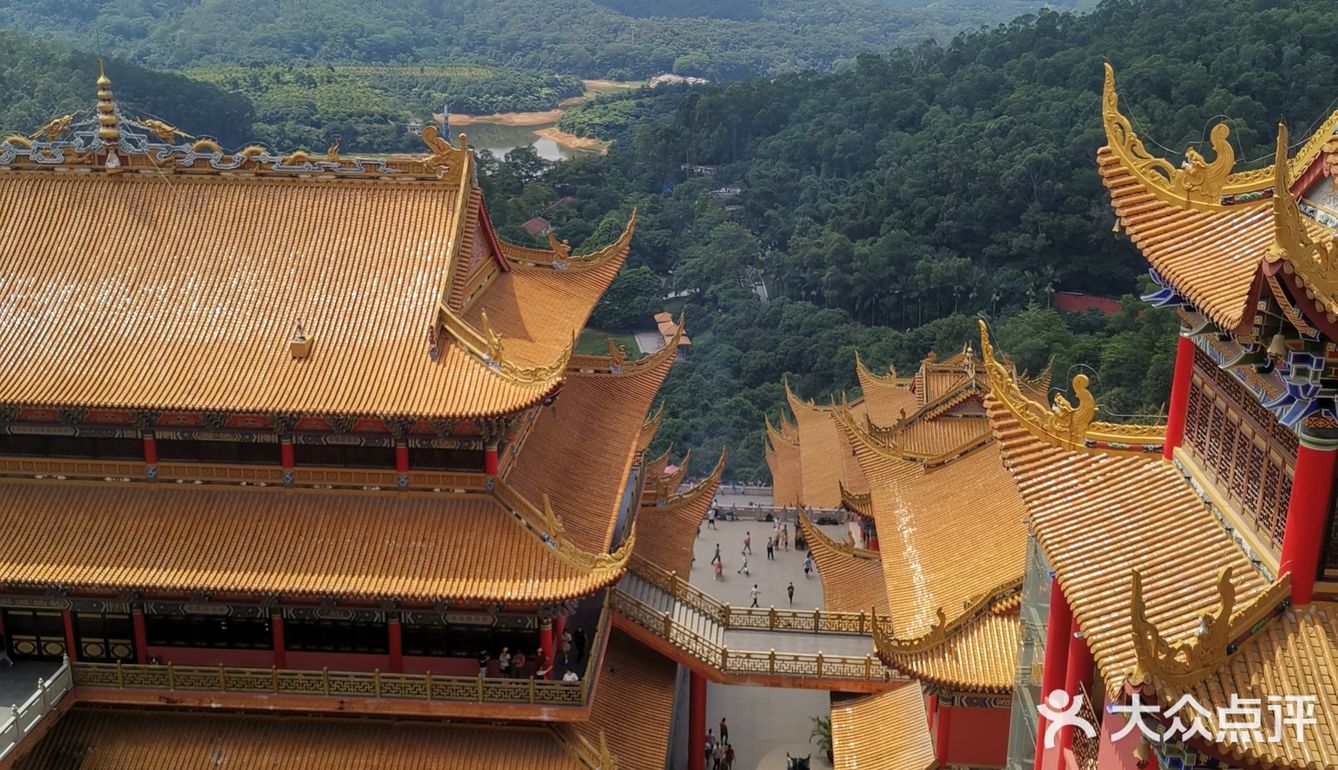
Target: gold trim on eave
{"points": [[1196, 183], [1063, 424], [1188, 662], [1310, 262]]}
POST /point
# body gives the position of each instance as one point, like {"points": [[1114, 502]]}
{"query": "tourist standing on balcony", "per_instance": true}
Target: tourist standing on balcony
{"points": [[483, 663], [504, 662], [566, 647], [542, 665], [578, 639], [518, 663]]}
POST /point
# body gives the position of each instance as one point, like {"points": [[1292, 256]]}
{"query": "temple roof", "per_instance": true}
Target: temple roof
{"points": [[581, 449], [1199, 618], [304, 543], [782, 456], [888, 731], [667, 529], [117, 739], [885, 396], [1205, 228], [979, 655], [633, 703], [144, 270], [852, 577], [825, 457]]}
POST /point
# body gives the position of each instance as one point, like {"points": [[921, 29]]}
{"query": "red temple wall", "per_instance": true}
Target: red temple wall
{"points": [[339, 661], [978, 736]]}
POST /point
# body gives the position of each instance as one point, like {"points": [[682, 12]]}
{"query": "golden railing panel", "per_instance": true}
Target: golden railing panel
{"points": [[73, 469], [220, 474]]}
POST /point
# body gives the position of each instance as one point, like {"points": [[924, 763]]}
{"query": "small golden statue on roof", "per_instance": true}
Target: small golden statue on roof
{"points": [[561, 249], [332, 151], [164, 131], [440, 148], [492, 340], [617, 353], [53, 130]]}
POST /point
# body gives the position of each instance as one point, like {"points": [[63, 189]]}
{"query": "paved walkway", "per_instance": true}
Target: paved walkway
{"points": [[18, 682], [764, 722], [648, 342]]}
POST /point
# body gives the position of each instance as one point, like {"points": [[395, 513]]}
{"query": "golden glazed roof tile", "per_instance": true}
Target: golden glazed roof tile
{"points": [[392, 545], [927, 517], [666, 531], [886, 397], [633, 703], [852, 578], [144, 291], [888, 731], [1094, 514], [981, 655], [538, 310], [820, 444], [581, 449], [115, 739]]}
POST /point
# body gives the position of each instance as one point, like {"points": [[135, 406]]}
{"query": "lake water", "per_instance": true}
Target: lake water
{"points": [[502, 139]]}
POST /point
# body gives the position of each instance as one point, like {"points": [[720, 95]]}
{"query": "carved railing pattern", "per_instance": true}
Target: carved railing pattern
{"points": [[344, 684], [770, 663], [24, 718], [210, 473], [37, 467]]}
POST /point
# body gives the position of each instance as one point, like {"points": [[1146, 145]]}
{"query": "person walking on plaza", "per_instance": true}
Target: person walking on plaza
{"points": [[808, 566], [716, 559], [717, 757], [790, 590], [710, 519], [719, 570], [729, 756], [785, 536], [747, 542], [710, 743], [771, 549], [755, 592], [744, 569], [724, 732]]}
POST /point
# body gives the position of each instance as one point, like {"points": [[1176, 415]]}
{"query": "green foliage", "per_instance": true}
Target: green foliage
{"points": [[886, 205], [635, 295], [374, 108], [595, 343], [821, 735], [621, 39], [41, 80]]}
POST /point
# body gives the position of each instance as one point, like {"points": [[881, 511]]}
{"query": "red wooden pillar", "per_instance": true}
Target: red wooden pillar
{"points": [[276, 631], [1184, 375], [941, 734], [559, 626], [1058, 628], [546, 643], [141, 636], [286, 460], [490, 458], [150, 449], [1077, 676], [71, 647], [396, 633], [696, 721], [932, 710], [1307, 515]]}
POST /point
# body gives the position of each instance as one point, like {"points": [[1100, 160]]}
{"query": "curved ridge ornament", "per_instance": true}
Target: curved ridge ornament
{"points": [[1313, 263], [487, 346], [1196, 183], [1064, 424], [1186, 663], [846, 547], [558, 255]]}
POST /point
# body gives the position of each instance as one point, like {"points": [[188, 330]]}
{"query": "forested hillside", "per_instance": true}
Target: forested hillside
{"points": [[885, 205], [621, 39], [40, 80]]}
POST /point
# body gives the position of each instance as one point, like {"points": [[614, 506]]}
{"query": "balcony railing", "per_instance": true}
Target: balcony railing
{"points": [[224, 473], [748, 619], [24, 718], [771, 663], [422, 687]]}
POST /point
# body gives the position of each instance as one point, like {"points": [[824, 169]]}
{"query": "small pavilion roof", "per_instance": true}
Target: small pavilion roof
{"points": [[633, 703], [667, 529], [887, 731]]}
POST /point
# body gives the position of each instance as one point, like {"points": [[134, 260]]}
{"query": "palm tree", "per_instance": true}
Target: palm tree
{"points": [[821, 736]]}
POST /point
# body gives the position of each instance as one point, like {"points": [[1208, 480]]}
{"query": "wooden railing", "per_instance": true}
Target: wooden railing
{"points": [[748, 619], [24, 718], [425, 687], [211, 473], [770, 663], [35, 467]]}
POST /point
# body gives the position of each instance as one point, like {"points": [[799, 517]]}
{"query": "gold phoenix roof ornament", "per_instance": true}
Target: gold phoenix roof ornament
{"points": [[1064, 424]]}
